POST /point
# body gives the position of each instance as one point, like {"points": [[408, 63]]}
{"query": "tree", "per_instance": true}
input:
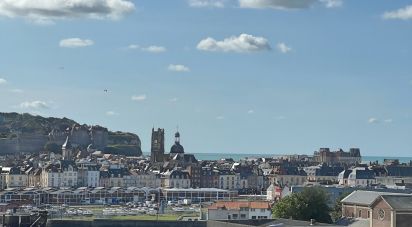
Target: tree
{"points": [[337, 209], [52, 147], [311, 203]]}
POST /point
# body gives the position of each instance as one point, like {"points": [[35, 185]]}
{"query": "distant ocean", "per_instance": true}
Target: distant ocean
{"points": [[237, 157]]}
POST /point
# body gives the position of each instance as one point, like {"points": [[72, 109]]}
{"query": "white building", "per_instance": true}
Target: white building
{"points": [[229, 180], [359, 176], [175, 179], [62, 174], [88, 174], [13, 177], [239, 210], [142, 179]]}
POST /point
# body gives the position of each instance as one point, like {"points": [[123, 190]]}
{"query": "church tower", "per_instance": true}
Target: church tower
{"points": [[158, 145], [67, 149]]}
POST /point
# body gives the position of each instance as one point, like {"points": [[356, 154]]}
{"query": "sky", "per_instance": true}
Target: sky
{"points": [[235, 76]]}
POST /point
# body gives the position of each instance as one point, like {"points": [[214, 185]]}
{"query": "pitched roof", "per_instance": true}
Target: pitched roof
{"points": [[399, 202], [365, 197]]}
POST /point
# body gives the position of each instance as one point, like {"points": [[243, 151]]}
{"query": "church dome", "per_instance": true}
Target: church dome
{"points": [[177, 148]]}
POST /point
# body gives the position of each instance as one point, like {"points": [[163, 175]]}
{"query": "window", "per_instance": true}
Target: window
{"points": [[234, 216], [369, 214], [252, 209], [243, 216], [253, 217], [262, 210], [360, 214]]}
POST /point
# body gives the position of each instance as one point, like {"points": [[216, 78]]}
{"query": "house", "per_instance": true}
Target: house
{"points": [[239, 210], [391, 210], [323, 173], [359, 176], [175, 178], [359, 204], [229, 180], [61, 174], [14, 177], [287, 175], [88, 174]]}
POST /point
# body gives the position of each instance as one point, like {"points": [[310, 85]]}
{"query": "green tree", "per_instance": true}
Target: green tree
{"points": [[337, 209], [311, 203], [52, 147]]}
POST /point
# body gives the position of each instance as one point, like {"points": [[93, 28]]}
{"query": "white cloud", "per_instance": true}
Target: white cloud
{"points": [[276, 4], [239, 44], [174, 99], [154, 49], [34, 105], [139, 97], [220, 117], [16, 91], [133, 46], [373, 120], [3, 81], [111, 113], [207, 3], [47, 11], [251, 111], [75, 42], [178, 68], [332, 3], [403, 13], [282, 47]]}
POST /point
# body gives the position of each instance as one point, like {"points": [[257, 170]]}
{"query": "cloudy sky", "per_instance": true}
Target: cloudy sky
{"points": [[236, 76]]}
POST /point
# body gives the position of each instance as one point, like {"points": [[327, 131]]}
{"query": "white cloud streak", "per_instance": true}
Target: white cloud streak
{"points": [[283, 48], [3, 81], [151, 49], [139, 97], [34, 105], [276, 4], [16, 90], [178, 68], [240, 44], [332, 3], [402, 14], [374, 120], [48, 11], [206, 3], [75, 42], [111, 113], [287, 4]]}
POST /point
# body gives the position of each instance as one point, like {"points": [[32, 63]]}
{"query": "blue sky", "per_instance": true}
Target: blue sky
{"points": [[236, 76]]}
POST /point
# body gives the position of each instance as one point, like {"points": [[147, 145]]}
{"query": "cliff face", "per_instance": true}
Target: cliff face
{"points": [[28, 133]]}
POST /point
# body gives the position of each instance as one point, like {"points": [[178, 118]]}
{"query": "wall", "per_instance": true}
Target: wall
{"points": [[123, 223], [386, 222]]}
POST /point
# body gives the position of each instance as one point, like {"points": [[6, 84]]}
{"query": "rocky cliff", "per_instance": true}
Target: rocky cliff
{"points": [[28, 133]]}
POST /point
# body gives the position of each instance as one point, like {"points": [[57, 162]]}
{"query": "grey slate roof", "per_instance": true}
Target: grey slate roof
{"points": [[399, 202], [366, 197]]}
